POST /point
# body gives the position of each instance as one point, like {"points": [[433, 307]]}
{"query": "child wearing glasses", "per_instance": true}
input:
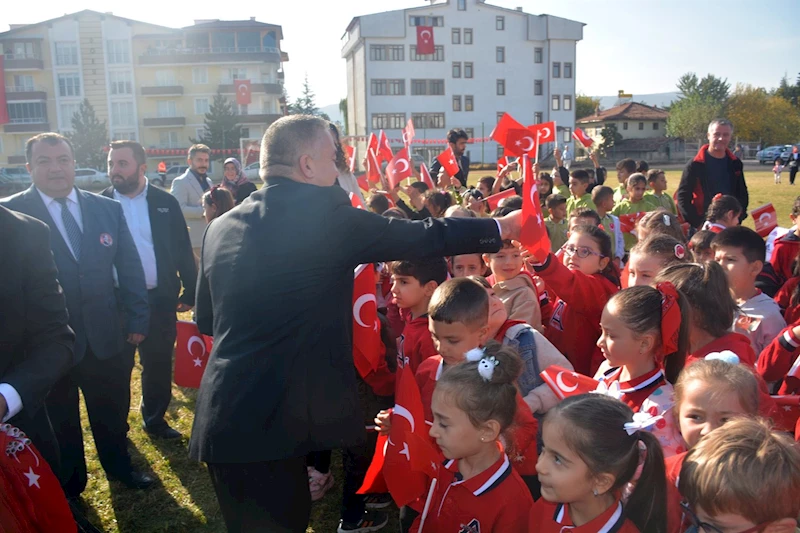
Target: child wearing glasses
{"points": [[579, 285], [742, 478]]}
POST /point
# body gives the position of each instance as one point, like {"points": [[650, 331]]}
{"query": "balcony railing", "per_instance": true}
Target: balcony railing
{"points": [[24, 55], [24, 61], [164, 118], [261, 79], [31, 120], [213, 50], [163, 56], [25, 88]]}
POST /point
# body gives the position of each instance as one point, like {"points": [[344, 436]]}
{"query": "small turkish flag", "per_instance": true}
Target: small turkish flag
{"points": [[580, 136], [448, 161], [362, 182], [424, 457], [374, 483], [242, 91], [399, 168], [566, 383], [494, 199], [384, 150], [366, 327], [500, 132], [766, 219], [350, 152], [627, 223], [533, 234], [425, 176], [503, 162], [373, 167], [355, 201], [520, 141], [425, 40], [544, 133], [372, 143], [192, 349], [409, 133], [787, 412]]}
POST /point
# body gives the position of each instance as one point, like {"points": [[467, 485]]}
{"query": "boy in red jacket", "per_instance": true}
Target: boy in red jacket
{"points": [[786, 247]]}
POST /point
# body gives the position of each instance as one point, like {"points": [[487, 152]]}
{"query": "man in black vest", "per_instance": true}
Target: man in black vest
{"points": [[159, 232]]}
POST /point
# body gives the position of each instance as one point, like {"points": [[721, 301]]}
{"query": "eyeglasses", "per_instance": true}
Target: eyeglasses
{"points": [[581, 251], [699, 526]]}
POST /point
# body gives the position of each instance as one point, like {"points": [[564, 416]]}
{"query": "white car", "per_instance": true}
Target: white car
{"points": [[89, 177], [251, 171]]}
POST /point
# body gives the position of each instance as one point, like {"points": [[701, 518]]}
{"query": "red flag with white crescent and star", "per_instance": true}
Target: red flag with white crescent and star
{"points": [[544, 133], [243, 96], [366, 326], [192, 349], [372, 143], [425, 43], [399, 168], [566, 383], [425, 176], [494, 199], [384, 149], [500, 132], [502, 163], [409, 133], [627, 222], [448, 160], [533, 234], [520, 141], [580, 136], [350, 152], [787, 413], [765, 218], [362, 182], [374, 482], [355, 201], [373, 167]]}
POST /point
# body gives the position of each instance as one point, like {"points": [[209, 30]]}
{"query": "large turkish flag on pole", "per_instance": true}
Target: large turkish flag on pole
{"points": [[425, 40], [533, 234], [242, 92]]}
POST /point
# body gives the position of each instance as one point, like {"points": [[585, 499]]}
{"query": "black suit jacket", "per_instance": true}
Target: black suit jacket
{"points": [[462, 175], [280, 381], [173, 249], [35, 341]]}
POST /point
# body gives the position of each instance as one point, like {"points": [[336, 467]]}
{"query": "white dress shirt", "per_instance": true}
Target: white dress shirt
{"points": [[137, 216], [55, 213]]}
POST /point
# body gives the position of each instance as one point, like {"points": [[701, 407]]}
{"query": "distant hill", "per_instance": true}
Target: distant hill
{"points": [[656, 99], [333, 112]]}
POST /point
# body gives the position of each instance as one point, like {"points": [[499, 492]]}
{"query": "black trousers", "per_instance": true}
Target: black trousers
{"points": [[355, 463], [155, 354], [793, 174], [266, 497], [106, 387]]}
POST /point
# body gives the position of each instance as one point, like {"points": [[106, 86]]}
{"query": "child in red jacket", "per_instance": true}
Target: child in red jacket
{"points": [[787, 247], [579, 287]]}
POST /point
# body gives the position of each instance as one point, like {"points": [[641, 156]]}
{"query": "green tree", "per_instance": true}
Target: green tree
{"points": [[756, 114], [222, 129], [710, 87], [690, 116], [88, 137], [343, 110], [790, 93], [611, 137], [585, 105], [306, 104]]}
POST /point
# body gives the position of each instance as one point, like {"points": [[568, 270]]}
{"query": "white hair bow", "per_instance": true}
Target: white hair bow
{"points": [[725, 355], [612, 390], [640, 422], [475, 354], [486, 367]]}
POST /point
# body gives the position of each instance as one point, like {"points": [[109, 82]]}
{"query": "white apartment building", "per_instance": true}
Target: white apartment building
{"points": [[488, 60]]}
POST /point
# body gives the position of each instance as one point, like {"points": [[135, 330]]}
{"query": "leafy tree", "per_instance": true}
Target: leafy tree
{"points": [[790, 93], [306, 105], [710, 87], [585, 105], [222, 130], [343, 111], [690, 116], [88, 137], [758, 115], [611, 137]]}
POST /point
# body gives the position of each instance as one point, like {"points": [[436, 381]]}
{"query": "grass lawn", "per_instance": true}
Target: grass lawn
{"points": [[184, 500]]}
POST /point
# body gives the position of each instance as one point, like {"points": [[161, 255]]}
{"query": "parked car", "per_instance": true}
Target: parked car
{"points": [[17, 176], [172, 172], [768, 154], [251, 171], [90, 178]]}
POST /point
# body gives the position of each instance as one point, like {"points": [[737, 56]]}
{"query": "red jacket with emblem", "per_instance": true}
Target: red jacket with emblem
{"points": [[415, 344], [784, 254], [694, 195]]}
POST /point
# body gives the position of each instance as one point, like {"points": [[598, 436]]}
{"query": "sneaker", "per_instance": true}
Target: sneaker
{"points": [[377, 501], [372, 521], [319, 483]]}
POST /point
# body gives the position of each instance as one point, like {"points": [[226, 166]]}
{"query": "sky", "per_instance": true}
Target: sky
{"points": [[639, 46]]}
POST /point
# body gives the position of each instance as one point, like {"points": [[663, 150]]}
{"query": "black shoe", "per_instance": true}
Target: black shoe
{"points": [[372, 521], [377, 501], [133, 479], [164, 432]]}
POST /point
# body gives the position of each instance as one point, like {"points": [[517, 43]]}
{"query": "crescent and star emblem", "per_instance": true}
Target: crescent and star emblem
{"points": [[422, 34], [563, 386], [399, 410], [398, 170], [360, 302]]}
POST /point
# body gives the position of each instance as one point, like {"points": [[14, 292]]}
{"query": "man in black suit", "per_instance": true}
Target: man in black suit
{"points": [[89, 239], [457, 139], [35, 339], [162, 240], [280, 380]]}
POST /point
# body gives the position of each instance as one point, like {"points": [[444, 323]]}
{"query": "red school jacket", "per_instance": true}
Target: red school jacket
{"points": [[784, 254], [415, 344], [547, 517]]}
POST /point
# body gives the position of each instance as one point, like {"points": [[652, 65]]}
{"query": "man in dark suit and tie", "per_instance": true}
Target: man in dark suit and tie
{"points": [[162, 240], [35, 341], [280, 381], [89, 239], [457, 139]]}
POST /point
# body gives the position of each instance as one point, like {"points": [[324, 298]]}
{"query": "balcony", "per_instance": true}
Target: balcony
{"points": [[264, 119], [163, 90], [164, 120], [28, 61], [27, 125], [266, 85], [25, 92], [155, 56]]}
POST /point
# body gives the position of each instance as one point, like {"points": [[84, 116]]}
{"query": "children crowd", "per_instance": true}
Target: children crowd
{"points": [[635, 379]]}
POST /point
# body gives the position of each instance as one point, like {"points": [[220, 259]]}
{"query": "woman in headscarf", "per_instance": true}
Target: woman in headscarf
{"points": [[235, 181], [346, 180]]}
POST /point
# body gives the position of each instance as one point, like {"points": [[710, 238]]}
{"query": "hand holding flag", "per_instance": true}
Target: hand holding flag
{"points": [[399, 168], [448, 161], [533, 234], [580, 136]]}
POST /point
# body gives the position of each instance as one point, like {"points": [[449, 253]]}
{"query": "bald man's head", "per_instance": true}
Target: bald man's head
{"points": [[299, 147]]}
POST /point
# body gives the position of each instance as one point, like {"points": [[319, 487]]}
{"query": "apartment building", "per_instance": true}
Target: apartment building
{"points": [[149, 83], [487, 60]]}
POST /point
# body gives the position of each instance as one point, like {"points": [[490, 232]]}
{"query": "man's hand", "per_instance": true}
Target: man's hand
{"points": [[443, 179], [135, 338], [510, 225], [3, 407], [383, 421], [456, 183], [595, 158], [536, 171], [182, 307]]}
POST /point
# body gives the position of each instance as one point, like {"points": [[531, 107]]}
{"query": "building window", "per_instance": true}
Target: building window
{"points": [[456, 103], [245, 133], [23, 51], [123, 136], [27, 113], [386, 52], [641, 126], [501, 87], [388, 87], [165, 78], [69, 84], [66, 53], [167, 109], [244, 109], [655, 125], [462, 5], [556, 102], [168, 139], [456, 35], [500, 115], [23, 83], [120, 82], [237, 74], [468, 70], [556, 69], [199, 75], [437, 55], [537, 55], [567, 135], [119, 51], [199, 133], [624, 125], [567, 70], [456, 69], [500, 151], [538, 117], [467, 35], [469, 104], [122, 114], [537, 87], [567, 103], [470, 132], [200, 106], [427, 87], [388, 121], [500, 54], [428, 120], [500, 23], [66, 112], [426, 21]]}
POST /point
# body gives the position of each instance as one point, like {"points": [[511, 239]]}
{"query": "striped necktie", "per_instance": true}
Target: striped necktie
{"points": [[74, 232]]}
